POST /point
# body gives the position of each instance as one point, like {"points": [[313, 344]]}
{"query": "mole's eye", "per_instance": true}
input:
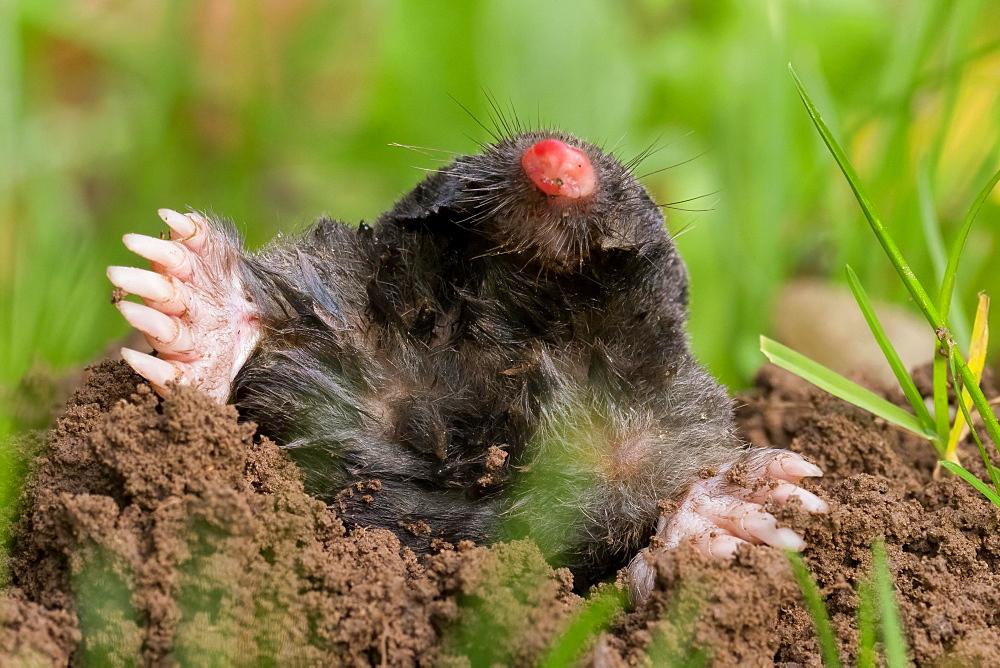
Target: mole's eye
{"points": [[559, 169]]}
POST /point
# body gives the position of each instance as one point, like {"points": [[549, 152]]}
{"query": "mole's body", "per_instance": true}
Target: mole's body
{"points": [[502, 351]]}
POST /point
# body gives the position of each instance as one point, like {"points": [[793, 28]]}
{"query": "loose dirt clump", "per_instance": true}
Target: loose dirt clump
{"points": [[165, 532]]}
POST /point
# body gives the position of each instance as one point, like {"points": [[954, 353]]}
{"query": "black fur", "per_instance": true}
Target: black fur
{"points": [[480, 312]]}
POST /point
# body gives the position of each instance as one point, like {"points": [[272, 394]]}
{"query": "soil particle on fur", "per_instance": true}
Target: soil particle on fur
{"points": [[165, 532]]}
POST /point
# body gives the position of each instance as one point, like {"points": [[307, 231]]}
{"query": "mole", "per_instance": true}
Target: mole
{"points": [[501, 353]]}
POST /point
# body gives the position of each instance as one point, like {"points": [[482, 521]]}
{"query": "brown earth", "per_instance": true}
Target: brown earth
{"points": [[163, 532]]}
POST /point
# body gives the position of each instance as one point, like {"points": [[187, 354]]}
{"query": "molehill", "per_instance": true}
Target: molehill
{"points": [[164, 531]]}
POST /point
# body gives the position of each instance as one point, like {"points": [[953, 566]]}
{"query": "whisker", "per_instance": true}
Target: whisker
{"points": [[500, 119], [677, 208], [513, 114], [617, 144], [473, 117], [657, 171], [652, 149], [423, 149], [483, 146], [690, 199], [686, 227], [494, 252]]}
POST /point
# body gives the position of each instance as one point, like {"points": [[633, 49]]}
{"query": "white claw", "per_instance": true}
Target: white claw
{"points": [[172, 257], [791, 467], [763, 527], [785, 491], [156, 371], [180, 224], [187, 229], [719, 545], [785, 538], [157, 290], [748, 521], [160, 328]]}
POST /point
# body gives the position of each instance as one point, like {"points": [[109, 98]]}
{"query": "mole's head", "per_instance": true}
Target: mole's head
{"points": [[543, 198]]}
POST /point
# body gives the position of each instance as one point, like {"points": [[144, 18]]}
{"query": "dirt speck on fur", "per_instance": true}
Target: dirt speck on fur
{"points": [[167, 532]]}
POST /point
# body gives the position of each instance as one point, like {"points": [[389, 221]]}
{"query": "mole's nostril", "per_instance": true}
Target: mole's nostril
{"points": [[559, 169]]}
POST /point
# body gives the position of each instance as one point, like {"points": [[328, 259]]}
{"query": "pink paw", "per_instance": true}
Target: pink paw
{"points": [[195, 313], [723, 512]]}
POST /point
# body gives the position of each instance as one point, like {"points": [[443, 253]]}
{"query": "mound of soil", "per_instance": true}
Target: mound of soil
{"points": [[941, 537], [162, 532]]}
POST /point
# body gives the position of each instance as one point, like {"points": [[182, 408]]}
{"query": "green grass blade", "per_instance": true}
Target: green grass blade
{"points": [[673, 643], [948, 282], [968, 477], [817, 610], [891, 356], [913, 285], [596, 615], [994, 473], [867, 632], [892, 629], [841, 387], [940, 380], [978, 398]]}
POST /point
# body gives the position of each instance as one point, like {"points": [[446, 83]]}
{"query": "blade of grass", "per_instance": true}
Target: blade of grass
{"points": [[993, 472], [595, 616], [817, 610], [913, 285], [673, 643], [867, 633], [892, 631], [891, 356], [939, 367], [945, 298], [977, 360], [978, 399], [841, 387], [968, 477]]}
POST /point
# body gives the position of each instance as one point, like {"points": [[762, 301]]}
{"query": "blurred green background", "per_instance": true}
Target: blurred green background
{"points": [[271, 112]]}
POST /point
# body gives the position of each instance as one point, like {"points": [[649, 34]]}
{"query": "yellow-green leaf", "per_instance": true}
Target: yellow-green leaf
{"points": [[977, 360]]}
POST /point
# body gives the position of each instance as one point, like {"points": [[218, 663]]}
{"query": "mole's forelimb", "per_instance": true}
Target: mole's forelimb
{"points": [[195, 312], [724, 511]]}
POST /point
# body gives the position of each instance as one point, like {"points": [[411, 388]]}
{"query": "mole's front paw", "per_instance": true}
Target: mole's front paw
{"points": [[195, 313], [724, 511]]}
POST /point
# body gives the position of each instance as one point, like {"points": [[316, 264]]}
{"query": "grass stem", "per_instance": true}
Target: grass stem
{"points": [[813, 599], [892, 630]]}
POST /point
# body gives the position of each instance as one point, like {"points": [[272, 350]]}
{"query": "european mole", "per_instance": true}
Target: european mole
{"points": [[502, 352]]}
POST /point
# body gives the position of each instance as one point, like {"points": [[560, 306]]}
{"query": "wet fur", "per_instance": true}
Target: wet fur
{"points": [[478, 312]]}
